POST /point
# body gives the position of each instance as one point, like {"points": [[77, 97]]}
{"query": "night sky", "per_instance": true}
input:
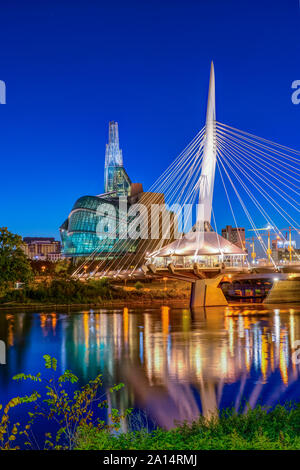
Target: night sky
{"points": [[72, 66]]}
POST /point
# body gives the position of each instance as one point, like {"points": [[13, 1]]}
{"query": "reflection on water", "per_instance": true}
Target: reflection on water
{"points": [[176, 364]]}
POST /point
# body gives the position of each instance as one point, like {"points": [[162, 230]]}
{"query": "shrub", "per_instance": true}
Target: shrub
{"points": [[258, 429], [65, 291], [57, 401], [138, 285]]}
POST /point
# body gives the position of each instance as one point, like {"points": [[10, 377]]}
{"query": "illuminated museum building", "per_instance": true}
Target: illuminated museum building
{"points": [[79, 231]]}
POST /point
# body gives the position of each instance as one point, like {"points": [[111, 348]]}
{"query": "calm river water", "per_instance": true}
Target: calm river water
{"points": [[175, 364]]}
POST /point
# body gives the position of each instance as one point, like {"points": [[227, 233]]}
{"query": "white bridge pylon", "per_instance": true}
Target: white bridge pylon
{"points": [[207, 178]]}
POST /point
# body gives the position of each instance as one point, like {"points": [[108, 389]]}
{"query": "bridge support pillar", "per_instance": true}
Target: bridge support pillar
{"points": [[206, 293], [284, 291]]}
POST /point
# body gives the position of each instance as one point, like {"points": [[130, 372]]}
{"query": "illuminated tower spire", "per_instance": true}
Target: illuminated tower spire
{"points": [[116, 179], [113, 153], [207, 177]]}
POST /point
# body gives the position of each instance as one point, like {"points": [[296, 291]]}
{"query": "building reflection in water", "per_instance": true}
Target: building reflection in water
{"points": [[176, 364]]}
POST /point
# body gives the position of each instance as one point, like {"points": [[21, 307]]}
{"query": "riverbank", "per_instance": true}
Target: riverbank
{"points": [[258, 429], [132, 303], [69, 293], [117, 303]]}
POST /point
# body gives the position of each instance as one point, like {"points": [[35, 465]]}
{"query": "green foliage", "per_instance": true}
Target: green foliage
{"points": [[69, 408], [138, 285], [14, 265], [9, 431], [258, 429], [55, 269], [62, 267], [65, 291], [116, 388], [43, 267], [50, 362]]}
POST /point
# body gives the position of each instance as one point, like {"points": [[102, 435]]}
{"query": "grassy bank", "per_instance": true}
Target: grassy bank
{"points": [[61, 292], [113, 303], [257, 430]]}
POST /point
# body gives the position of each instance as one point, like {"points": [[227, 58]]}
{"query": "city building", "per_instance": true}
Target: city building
{"points": [[235, 235], [80, 233], [42, 248], [281, 250]]}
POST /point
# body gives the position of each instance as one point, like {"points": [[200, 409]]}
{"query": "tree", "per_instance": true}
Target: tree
{"points": [[62, 267], [138, 285], [14, 265]]}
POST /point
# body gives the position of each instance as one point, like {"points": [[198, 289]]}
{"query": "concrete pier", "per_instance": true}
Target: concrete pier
{"points": [[284, 291], [206, 293]]}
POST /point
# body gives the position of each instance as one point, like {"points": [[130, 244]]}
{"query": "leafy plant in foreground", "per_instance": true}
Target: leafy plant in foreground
{"points": [[69, 409], [9, 431]]}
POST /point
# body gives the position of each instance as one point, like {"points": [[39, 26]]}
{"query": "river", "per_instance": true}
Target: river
{"points": [[175, 363]]}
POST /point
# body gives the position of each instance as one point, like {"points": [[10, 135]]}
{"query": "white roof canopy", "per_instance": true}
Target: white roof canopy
{"points": [[199, 244]]}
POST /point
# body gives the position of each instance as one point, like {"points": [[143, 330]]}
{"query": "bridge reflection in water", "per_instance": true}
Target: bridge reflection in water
{"points": [[176, 364]]}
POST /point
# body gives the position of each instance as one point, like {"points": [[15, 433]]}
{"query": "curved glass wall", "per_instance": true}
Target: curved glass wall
{"points": [[84, 232]]}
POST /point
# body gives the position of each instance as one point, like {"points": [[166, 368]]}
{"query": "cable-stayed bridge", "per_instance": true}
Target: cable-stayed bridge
{"points": [[257, 176]]}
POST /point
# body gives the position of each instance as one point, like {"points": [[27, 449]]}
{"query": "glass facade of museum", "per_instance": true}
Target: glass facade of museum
{"points": [[86, 229], [116, 181]]}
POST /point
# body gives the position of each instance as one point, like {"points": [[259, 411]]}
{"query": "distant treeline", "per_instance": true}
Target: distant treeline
{"points": [[72, 291]]}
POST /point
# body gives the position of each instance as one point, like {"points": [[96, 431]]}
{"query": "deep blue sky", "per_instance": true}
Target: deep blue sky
{"points": [[71, 66]]}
